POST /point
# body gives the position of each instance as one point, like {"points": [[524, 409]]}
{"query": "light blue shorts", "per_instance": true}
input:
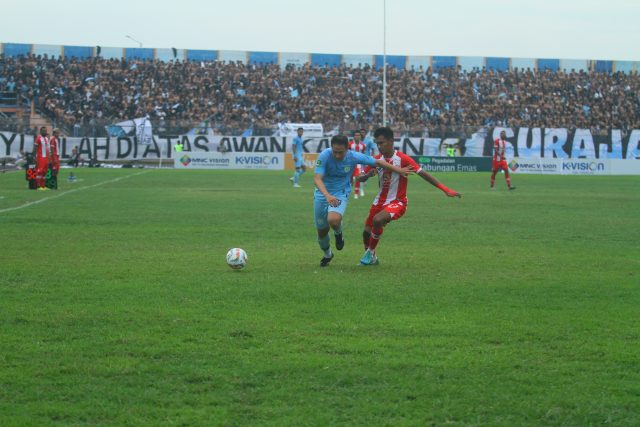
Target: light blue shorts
{"points": [[322, 208], [299, 163]]}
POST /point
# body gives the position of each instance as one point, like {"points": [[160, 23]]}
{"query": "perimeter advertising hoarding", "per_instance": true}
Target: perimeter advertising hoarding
{"points": [[454, 164], [216, 160], [543, 166], [309, 161]]}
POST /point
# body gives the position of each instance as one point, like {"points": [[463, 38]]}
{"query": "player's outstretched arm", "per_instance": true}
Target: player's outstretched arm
{"points": [[402, 171], [433, 181], [368, 173]]}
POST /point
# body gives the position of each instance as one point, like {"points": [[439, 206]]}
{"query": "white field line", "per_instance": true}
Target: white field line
{"points": [[26, 205]]}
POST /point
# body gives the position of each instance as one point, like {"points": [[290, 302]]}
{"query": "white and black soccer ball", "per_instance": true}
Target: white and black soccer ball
{"points": [[237, 258]]}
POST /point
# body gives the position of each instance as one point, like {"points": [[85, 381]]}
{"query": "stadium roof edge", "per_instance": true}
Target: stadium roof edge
{"points": [[284, 59]]}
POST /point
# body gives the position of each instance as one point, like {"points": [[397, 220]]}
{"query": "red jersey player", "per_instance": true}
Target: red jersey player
{"points": [[356, 144], [41, 149], [54, 145], [500, 161], [391, 201]]}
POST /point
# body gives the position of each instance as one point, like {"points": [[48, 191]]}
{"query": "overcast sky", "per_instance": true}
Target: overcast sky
{"points": [[580, 29]]}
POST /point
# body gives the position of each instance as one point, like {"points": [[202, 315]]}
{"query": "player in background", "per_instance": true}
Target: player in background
{"points": [[391, 201], [298, 158], [332, 178], [357, 145], [369, 143], [54, 152], [41, 151], [370, 148], [500, 161]]}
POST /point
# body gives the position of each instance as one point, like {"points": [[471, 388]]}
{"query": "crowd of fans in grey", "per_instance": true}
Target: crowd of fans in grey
{"points": [[235, 96]]}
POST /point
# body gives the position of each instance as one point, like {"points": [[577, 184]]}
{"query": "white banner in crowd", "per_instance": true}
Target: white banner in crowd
{"points": [[144, 130], [215, 160], [311, 130], [562, 143], [128, 148], [140, 127]]}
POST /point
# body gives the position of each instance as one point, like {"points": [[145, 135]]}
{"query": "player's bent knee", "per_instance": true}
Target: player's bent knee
{"points": [[381, 220], [323, 232], [334, 220]]}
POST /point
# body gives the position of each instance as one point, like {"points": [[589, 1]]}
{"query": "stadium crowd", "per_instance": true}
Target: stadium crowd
{"points": [[97, 91]]}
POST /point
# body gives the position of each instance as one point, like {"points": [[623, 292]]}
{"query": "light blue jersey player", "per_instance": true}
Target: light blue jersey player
{"points": [[298, 158], [369, 144], [332, 178]]}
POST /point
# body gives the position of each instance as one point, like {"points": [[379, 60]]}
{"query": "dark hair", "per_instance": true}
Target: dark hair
{"points": [[302, 129], [384, 132], [340, 140]]}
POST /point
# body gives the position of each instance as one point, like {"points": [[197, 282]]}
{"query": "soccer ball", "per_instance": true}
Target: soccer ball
{"points": [[237, 258]]}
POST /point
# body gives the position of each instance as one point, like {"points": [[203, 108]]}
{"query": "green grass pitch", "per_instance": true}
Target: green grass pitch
{"points": [[501, 308]]}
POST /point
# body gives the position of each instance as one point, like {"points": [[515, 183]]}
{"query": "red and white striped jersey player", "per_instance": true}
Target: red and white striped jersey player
{"points": [[500, 161], [391, 201], [54, 153], [41, 150], [356, 144]]}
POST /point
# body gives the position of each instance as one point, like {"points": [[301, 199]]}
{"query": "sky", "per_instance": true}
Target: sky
{"points": [[571, 29]]}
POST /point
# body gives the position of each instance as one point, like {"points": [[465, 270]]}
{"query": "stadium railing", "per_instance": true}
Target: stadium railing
{"points": [[95, 128]]}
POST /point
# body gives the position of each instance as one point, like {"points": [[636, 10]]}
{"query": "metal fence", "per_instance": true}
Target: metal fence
{"points": [[100, 128]]}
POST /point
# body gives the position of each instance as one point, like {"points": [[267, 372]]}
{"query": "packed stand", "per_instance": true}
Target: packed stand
{"points": [[100, 91]]}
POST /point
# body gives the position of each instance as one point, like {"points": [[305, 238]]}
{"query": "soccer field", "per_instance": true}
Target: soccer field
{"points": [[501, 308]]}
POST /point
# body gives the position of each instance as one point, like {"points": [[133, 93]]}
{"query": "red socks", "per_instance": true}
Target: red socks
{"points": [[375, 238]]}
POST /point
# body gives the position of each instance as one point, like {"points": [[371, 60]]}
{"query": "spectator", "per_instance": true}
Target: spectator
{"points": [[21, 160], [222, 148], [74, 159]]}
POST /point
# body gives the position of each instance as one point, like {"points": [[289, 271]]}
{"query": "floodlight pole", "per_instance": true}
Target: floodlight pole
{"points": [[384, 63]]}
